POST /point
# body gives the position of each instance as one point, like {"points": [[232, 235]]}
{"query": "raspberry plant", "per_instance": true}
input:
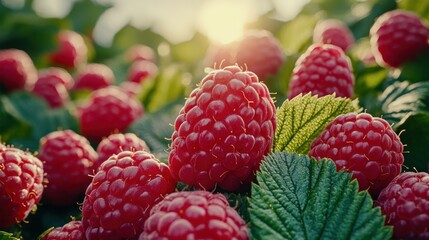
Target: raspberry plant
{"points": [[293, 195]]}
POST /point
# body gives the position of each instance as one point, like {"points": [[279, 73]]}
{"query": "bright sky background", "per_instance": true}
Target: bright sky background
{"points": [[221, 21]]}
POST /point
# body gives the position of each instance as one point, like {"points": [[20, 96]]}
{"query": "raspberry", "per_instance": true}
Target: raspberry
{"points": [[140, 52], [109, 110], [133, 89], [221, 55], [261, 53], [194, 215], [363, 145], [142, 70], [21, 185], [122, 193], [322, 70], [17, 70], [94, 76], [71, 51], [72, 230], [118, 142], [405, 202], [68, 160], [397, 37], [223, 131], [335, 32], [56, 75], [55, 94]]}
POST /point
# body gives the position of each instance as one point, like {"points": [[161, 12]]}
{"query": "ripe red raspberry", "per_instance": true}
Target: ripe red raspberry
{"points": [[55, 94], [71, 50], [68, 161], [261, 53], [322, 70], [335, 32], [194, 215], [94, 76], [56, 75], [17, 70], [72, 230], [122, 193], [21, 185], [405, 202], [142, 70], [363, 145], [223, 131], [109, 110], [118, 142], [140, 52], [397, 37]]}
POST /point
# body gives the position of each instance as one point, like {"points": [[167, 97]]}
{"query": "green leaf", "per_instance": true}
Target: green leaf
{"points": [[292, 42], [37, 119], [154, 128], [301, 198], [401, 99], [414, 133], [7, 236], [303, 118], [240, 203]]}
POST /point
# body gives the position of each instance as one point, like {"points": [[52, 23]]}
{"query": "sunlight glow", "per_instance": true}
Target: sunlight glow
{"points": [[223, 21]]}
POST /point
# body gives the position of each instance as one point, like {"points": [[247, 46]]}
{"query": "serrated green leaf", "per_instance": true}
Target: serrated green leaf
{"points": [[401, 99], [414, 133], [7, 236], [300, 198], [154, 128], [303, 118]]}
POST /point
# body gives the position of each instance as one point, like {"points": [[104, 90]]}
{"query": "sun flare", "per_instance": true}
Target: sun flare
{"points": [[223, 21]]}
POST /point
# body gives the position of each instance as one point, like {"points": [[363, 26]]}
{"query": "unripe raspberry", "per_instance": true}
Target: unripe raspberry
{"points": [[122, 193], [118, 142], [108, 110], [397, 37], [21, 185], [223, 131], [68, 160], [194, 215], [56, 75], [71, 50], [55, 94], [322, 70], [405, 202], [17, 70], [335, 32], [94, 76], [363, 145], [72, 230]]}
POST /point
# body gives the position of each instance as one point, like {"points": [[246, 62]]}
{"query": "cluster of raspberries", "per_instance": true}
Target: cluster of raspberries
{"points": [[220, 138]]}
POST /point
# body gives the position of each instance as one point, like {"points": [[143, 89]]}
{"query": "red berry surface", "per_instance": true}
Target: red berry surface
{"points": [[194, 215], [397, 37], [260, 53], [55, 94], [223, 131], [322, 70], [142, 70], [17, 70], [140, 52], [21, 185], [56, 75], [94, 76], [68, 161], [122, 193], [71, 50], [335, 32], [108, 110], [72, 230], [118, 142], [363, 145], [405, 202]]}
